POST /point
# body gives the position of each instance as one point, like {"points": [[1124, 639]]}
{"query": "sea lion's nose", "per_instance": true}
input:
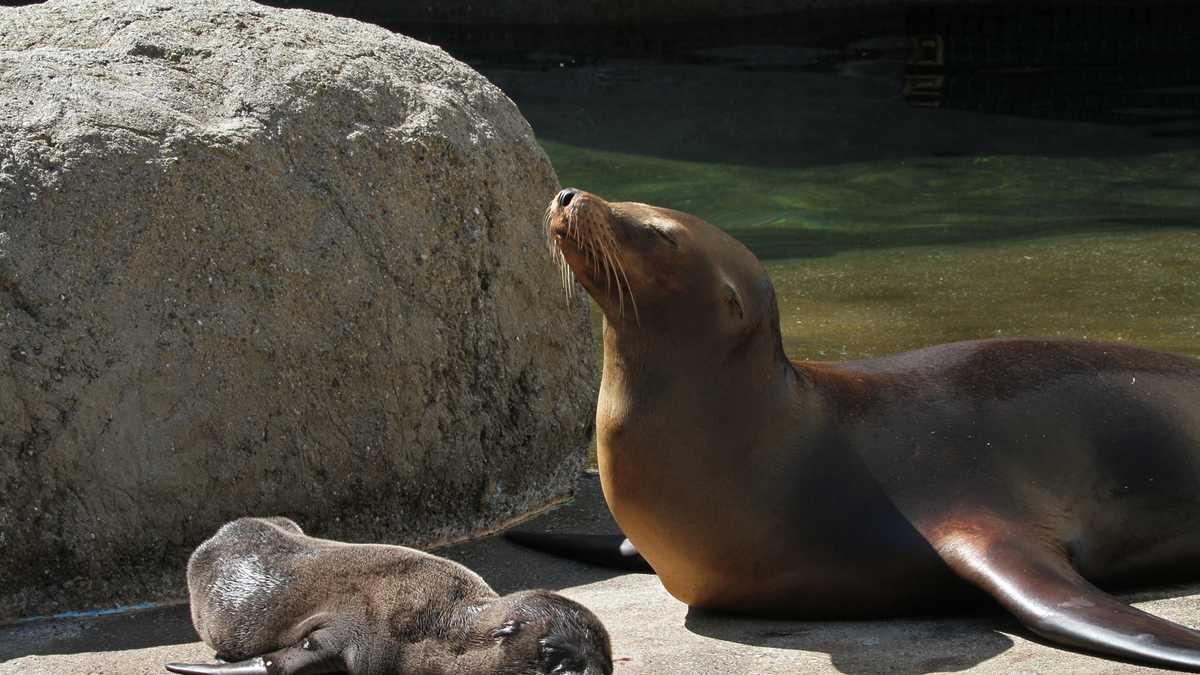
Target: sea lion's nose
{"points": [[566, 196]]}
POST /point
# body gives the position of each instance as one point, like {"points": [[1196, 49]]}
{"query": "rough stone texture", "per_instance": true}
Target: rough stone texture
{"points": [[260, 261], [652, 633]]}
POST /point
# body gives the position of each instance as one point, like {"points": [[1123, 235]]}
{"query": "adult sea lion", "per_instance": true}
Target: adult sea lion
{"points": [[277, 602], [1027, 468]]}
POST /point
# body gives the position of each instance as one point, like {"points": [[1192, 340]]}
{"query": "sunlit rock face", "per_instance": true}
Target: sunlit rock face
{"points": [[255, 262]]}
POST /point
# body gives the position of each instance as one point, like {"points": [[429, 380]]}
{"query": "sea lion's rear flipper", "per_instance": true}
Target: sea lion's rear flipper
{"points": [[1041, 588], [606, 550], [315, 655]]}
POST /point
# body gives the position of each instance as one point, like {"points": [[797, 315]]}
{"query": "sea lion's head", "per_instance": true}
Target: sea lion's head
{"points": [[546, 633], [661, 272]]}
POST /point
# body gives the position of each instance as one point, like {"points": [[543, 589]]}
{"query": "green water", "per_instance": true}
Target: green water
{"points": [[871, 258], [885, 226]]}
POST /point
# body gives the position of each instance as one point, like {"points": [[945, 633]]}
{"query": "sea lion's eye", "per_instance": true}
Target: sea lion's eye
{"points": [[662, 232], [733, 300]]}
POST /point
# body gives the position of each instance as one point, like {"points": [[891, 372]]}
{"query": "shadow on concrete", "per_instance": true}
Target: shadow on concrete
{"points": [[156, 627], [917, 645], [947, 644], [509, 567]]}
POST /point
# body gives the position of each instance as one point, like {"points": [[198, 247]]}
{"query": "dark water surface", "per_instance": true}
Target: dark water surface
{"points": [[887, 224], [911, 171]]}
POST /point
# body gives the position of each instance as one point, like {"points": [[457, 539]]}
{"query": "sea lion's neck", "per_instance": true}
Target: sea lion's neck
{"points": [[653, 390], [683, 436], [633, 360]]}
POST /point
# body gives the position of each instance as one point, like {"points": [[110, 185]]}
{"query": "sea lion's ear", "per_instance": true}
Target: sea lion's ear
{"points": [[733, 300]]}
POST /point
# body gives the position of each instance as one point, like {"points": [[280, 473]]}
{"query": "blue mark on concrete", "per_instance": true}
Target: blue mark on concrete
{"points": [[91, 613]]}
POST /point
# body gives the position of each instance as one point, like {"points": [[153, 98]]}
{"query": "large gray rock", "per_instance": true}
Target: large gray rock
{"points": [[257, 261]]}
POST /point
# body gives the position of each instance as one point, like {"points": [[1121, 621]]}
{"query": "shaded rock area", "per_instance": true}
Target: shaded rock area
{"points": [[652, 633], [262, 261]]}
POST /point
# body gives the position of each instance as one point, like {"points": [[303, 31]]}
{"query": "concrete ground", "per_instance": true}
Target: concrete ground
{"points": [[652, 632]]}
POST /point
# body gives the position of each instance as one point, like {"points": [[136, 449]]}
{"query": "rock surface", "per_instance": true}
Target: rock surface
{"points": [[261, 261]]}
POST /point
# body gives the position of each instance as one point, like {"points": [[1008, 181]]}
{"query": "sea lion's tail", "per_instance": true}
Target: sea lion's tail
{"points": [[606, 550]]}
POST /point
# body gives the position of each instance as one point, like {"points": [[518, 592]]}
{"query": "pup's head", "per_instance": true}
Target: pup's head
{"points": [[543, 632]]}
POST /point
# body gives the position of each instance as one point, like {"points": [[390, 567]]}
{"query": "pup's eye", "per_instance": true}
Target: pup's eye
{"points": [[506, 629], [559, 660]]}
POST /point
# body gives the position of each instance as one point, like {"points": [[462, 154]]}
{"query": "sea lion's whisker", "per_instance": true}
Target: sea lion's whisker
{"points": [[632, 301], [614, 267], [591, 249], [562, 276], [600, 252], [603, 262], [602, 243], [566, 274], [610, 276], [612, 262], [568, 277]]}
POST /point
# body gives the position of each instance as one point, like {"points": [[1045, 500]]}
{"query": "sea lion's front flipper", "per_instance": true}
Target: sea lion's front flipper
{"points": [[1040, 587], [316, 654]]}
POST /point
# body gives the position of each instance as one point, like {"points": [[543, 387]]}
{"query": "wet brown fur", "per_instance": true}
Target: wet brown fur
{"points": [[261, 587]]}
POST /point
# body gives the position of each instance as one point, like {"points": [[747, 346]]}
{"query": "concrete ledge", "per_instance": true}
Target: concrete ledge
{"points": [[652, 632]]}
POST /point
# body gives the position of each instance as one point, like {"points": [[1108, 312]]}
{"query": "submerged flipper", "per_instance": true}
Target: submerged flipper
{"points": [[606, 550], [313, 656], [1040, 587]]}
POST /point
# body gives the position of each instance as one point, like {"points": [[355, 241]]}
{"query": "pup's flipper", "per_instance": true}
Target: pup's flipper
{"points": [[254, 666], [1039, 586], [314, 655], [606, 550]]}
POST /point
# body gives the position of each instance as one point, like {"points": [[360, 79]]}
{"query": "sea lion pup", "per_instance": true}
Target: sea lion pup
{"points": [[1027, 468], [277, 602]]}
